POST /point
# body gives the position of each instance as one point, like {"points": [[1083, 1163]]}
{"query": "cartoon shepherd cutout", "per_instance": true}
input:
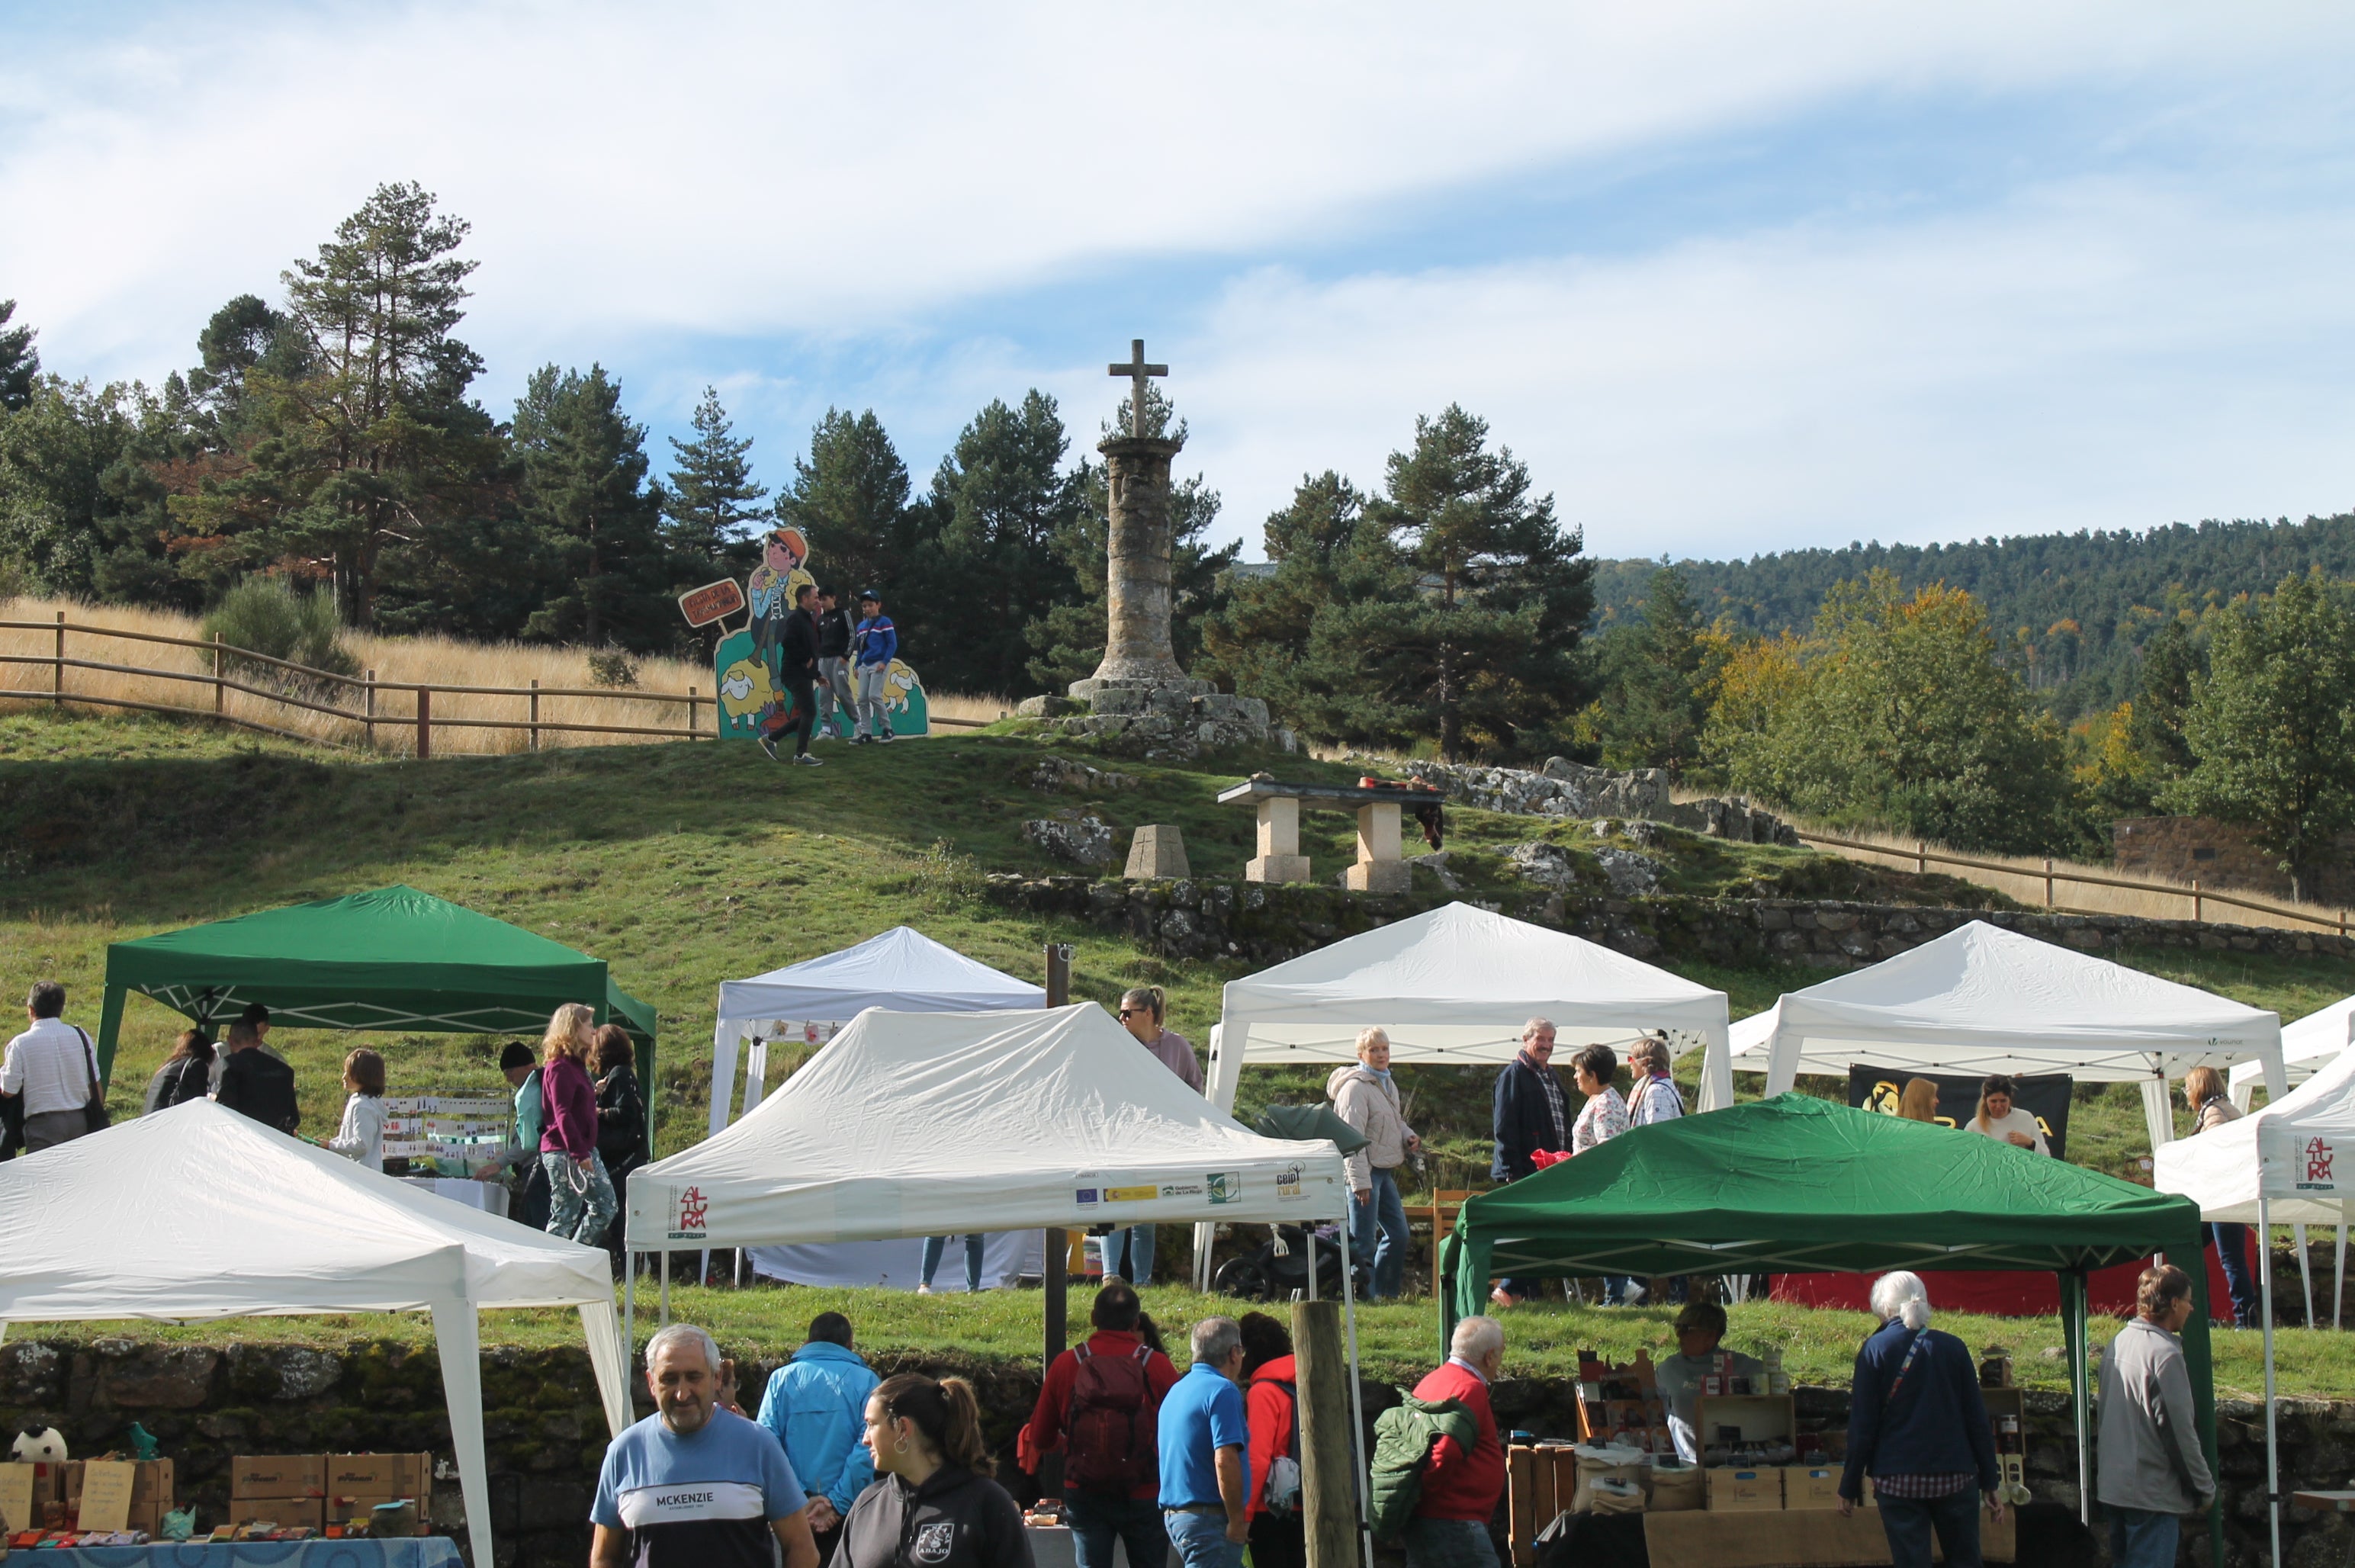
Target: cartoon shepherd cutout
{"points": [[748, 665]]}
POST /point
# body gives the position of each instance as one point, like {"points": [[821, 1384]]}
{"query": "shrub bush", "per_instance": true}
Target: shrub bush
{"points": [[264, 615]]}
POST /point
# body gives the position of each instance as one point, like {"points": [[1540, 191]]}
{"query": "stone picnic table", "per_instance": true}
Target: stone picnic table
{"points": [[1381, 867]]}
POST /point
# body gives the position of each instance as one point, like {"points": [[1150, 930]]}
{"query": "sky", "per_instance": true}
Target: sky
{"points": [[1728, 278]]}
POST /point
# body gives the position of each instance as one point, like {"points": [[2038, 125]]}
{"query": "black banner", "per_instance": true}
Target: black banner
{"points": [[2046, 1098]]}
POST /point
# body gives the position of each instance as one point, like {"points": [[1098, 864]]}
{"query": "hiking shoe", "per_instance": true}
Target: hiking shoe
{"points": [[886, 737], [769, 746], [807, 761]]}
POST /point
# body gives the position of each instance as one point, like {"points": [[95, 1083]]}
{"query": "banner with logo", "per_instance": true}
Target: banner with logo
{"points": [[2045, 1098]]}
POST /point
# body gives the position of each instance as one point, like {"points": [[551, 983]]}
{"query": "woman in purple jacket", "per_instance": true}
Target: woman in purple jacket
{"points": [[580, 1195]]}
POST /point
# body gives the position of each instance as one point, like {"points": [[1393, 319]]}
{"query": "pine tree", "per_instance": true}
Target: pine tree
{"points": [[1656, 676], [2272, 726], [598, 530], [712, 503], [2170, 668], [850, 498], [20, 364], [1257, 642], [1002, 499]]}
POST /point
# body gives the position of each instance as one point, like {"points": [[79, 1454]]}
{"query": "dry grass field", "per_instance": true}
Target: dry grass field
{"points": [[492, 718]]}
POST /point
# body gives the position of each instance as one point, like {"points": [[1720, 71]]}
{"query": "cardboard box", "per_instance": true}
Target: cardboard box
{"points": [[151, 1482], [278, 1476], [1746, 1491], [1821, 1537], [342, 1509], [1810, 1486], [379, 1475]]}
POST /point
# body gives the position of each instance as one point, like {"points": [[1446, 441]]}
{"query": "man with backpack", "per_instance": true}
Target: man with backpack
{"points": [[1438, 1468], [1100, 1407]]}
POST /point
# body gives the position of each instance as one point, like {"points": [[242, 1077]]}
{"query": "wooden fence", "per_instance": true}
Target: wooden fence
{"points": [[1922, 858], [320, 690]]}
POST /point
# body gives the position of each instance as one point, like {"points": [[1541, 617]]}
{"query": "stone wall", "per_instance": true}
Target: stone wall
{"points": [[1269, 922], [546, 1431]]}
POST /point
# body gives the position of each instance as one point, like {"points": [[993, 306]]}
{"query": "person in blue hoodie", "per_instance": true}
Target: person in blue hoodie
{"points": [[874, 645], [816, 1406]]}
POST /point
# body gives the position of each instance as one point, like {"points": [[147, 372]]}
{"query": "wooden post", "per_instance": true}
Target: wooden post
{"points": [[2196, 912], [1329, 1489], [2048, 881], [57, 671], [1922, 857], [221, 694], [367, 699], [694, 724], [424, 722], [535, 716]]}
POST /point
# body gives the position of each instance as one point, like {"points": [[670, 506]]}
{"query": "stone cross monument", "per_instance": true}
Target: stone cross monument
{"points": [[1138, 654]]}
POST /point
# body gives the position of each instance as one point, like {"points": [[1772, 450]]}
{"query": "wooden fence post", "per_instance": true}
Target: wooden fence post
{"points": [[1921, 857], [535, 716], [694, 724], [2196, 912], [424, 722], [367, 699], [221, 692], [1328, 1490], [2048, 881], [58, 670]]}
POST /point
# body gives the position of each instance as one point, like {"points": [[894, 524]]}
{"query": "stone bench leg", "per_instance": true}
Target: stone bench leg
{"points": [[1279, 860], [1380, 867]]}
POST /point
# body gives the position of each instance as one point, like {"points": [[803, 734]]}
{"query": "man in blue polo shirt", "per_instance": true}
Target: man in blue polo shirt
{"points": [[1203, 1435], [693, 1486]]}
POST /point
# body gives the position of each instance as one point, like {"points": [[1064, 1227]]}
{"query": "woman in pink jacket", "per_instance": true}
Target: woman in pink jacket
{"points": [[580, 1195]]}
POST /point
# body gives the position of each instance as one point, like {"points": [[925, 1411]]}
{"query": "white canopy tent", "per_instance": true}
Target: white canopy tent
{"points": [[1984, 1000], [902, 969], [2307, 1046], [1454, 985], [198, 1212], [2277, 1165]]}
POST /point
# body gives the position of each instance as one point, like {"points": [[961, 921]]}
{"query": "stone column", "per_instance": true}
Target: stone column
{"points": [[1137, 602]]}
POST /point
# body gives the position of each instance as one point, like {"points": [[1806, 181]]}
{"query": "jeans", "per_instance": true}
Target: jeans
{"points": [[578, 1208], [1449, 1543], [873, 693], [2142, 1540], [1097, 1521], [936, 1245], [1201, 1540], [836, 709], [1378, 1235], [1908, 1521], [2231, 1244], [1128, 1253]]}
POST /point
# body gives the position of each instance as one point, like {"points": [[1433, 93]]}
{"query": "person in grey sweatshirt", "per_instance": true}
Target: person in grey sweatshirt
{"points": [[2149, 1471], [1364, 1096]]}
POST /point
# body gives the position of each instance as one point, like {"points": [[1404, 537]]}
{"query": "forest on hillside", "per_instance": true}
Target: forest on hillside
{"points": [[2070, 612]]}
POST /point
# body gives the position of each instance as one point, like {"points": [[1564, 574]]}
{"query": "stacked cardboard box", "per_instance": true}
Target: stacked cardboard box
{"points": [[37, 1490], [289, 1490], [151, 1493], [358, 1483]]}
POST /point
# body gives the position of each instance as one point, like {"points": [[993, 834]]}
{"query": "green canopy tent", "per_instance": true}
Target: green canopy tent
{"points": [[391, 959], [1796, 1184]]}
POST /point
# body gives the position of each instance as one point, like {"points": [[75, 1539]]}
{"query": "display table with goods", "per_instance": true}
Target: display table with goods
{"points": [[421, 1551], [1795, 1183], [120, 1510]]}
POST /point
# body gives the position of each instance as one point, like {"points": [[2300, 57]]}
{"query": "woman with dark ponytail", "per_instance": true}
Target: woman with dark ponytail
{"points": [[933, 1504]]}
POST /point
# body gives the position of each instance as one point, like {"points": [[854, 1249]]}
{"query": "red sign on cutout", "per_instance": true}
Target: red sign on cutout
{"points": [[703, 605]]}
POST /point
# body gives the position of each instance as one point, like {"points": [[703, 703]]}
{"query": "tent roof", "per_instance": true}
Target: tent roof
{"points": [[930, 1124], [1799, 1184], [1456, 984], [393, 958], [902, 969], [2306, 1045], [200, 1212], [1984, 1000], [2289, 1151]]}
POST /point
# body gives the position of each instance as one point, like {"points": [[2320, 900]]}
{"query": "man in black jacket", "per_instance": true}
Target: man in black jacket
{"points": [[1529, 1115], [799, 646], [257, 1084], [836, 709]]}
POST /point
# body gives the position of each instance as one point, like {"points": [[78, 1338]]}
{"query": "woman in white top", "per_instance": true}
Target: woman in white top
{"points": [[2000, 1119], [361, 1136]]}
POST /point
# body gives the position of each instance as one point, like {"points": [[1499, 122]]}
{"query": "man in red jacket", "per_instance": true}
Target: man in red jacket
{"points": [[1117, 1409], [1450, 1528]]}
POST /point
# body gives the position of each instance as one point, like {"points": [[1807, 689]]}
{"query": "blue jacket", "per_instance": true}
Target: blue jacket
{"points": [[1523, 1122], [1935, 1425], [816, 1405], [878, 641]]}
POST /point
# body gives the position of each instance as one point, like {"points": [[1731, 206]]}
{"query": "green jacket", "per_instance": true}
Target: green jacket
{"points": [[1402, 1439]]}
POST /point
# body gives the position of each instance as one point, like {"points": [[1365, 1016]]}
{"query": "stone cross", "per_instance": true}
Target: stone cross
{"points": [[1136, 371]]}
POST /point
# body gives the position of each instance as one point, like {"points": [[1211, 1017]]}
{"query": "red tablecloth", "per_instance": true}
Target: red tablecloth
{"points": [[1999, 1293]]}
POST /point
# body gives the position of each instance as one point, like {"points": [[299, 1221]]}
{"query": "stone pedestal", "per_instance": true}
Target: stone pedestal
{"points": [[1279, 859], [1379, 868], [1137, 596], [1157, 853]]}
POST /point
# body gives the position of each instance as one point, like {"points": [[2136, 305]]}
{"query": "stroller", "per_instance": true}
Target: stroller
{"points": [[1280, 1266]]}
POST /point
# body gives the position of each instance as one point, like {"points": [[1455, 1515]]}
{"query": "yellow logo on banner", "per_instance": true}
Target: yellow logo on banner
{"points": [[1130, 1194]]}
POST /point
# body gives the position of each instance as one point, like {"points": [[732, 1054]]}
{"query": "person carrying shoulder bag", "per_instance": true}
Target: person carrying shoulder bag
{"points": [[52, 1070]]}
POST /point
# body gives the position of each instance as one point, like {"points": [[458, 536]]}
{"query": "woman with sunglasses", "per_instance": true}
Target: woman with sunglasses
{"points": [[1127, 1253]]}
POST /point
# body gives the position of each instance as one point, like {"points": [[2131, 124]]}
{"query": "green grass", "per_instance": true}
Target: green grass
{"points": [[1397, 1341]]}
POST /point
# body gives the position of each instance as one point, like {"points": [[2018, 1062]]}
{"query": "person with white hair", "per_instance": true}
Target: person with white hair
{"points": [[1460, 1486], [691, 1485], [1364, 1096], [1917, 1425]]}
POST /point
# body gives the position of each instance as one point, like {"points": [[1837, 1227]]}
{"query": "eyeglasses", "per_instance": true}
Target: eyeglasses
{"points": [[1128, 1013]]}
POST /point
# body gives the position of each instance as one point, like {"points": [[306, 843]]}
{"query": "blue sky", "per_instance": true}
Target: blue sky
{"points": [[1729, 278]]}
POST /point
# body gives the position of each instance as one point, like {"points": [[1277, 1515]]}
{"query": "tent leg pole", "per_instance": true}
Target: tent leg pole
{"points": [[2305, 1272], [665, 1288], [629, 1306], [2081, 1402], [2273, 1447], [2338, 1291], [1356, 1404], [1310, 1232]]}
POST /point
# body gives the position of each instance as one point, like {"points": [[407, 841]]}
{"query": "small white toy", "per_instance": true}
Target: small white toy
{"points": [[39, 1445]]}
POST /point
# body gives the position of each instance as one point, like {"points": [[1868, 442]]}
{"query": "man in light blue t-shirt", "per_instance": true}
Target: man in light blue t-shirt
{"points": [[693, 1486], [1204, 1433]]}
